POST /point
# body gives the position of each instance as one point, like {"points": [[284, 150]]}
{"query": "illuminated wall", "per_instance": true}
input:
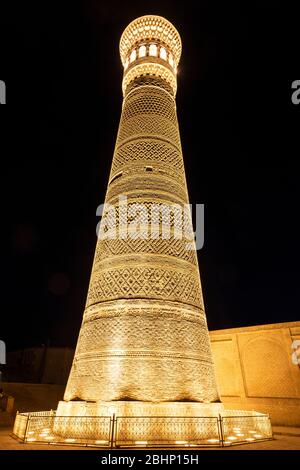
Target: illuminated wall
{"points": [[255, 369]]}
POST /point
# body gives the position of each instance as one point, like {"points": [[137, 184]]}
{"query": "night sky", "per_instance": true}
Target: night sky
{"points": [[240, 135]]}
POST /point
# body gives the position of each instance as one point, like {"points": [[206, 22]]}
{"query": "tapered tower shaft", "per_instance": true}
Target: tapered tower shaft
{"points": [[144, 335]]}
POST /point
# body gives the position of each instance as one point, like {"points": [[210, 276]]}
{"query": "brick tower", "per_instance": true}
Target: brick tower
{"points": [[144, 335]]}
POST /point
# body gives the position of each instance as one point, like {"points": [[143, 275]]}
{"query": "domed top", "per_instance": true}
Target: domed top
{"points": [[150, 27]]}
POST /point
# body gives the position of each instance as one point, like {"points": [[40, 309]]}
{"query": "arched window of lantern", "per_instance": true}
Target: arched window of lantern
{"points": [[153, 50], [171, 61], [126, 64], [142, 51], [133, 55], [163, 53]]}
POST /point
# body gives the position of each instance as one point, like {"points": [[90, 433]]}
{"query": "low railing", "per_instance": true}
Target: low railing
{"points": [[166, 431], [142, 431], [46, 427], [237, 429]]}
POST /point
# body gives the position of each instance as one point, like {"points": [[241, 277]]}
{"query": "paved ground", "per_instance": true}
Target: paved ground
{"points": [[9, 443], [285, 439], [286, 431]]}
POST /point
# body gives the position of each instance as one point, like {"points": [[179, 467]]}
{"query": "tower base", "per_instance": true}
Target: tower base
{"points": [[165, 423], [138, 409], [142, 424]]}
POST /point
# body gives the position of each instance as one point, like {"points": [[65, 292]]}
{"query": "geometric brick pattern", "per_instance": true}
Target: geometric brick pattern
{"points": [[145, 281], [148, 150], [172, 247]]}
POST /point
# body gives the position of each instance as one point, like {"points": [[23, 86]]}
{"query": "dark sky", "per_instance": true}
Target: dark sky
{"points": [[240, 137]]}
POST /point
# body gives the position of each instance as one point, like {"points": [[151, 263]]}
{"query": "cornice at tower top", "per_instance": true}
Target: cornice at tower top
{"points": [[147, 28], [150, 46]]}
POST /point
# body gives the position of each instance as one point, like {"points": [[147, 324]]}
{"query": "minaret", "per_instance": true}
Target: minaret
{"points": [[144, 334]]}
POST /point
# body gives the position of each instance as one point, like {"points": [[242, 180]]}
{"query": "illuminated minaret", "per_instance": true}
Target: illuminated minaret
{"points": [[144, 335]]}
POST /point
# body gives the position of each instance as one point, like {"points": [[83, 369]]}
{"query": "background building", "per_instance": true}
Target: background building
{"points": [[45, 365]]}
